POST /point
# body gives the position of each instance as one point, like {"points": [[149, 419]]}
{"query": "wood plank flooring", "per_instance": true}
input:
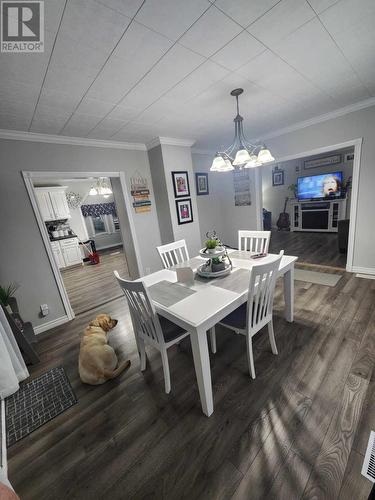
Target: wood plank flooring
{"points": [[89, 286], [313, 248], [298, 431]]}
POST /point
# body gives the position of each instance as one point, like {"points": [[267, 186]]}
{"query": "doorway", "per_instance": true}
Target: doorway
{"points": [[308, 216], [88, 232]]}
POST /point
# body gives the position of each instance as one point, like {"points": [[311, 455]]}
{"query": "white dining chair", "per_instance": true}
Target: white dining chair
{"points": [[173, 253], [256, 313], [149, 327], [254, 241]]}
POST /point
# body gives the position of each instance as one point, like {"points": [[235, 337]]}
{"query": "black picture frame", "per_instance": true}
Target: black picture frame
{"points": [[278, 177], [179, 192], [180, 219], [201, 190]]}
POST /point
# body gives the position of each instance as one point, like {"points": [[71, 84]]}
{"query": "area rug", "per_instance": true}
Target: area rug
{"points": [[327, 279], [36, 403]]}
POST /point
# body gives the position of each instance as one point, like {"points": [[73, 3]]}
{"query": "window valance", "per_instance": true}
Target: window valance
{"points": [[99, 209]]}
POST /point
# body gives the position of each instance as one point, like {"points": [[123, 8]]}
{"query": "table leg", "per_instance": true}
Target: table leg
{"points": [[289, 294], [199, 346]]}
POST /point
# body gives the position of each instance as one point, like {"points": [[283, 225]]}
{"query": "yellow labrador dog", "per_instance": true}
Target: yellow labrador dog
{"points": [[97, 360]]}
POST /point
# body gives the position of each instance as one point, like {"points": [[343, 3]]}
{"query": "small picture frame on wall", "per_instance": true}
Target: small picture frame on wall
{"points": [[349, 157], [201, 181], [278, 177], [184, 211], [180, 184]]}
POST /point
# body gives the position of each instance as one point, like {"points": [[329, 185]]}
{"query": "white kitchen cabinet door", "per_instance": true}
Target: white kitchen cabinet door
{"points": [[71, 252], [59, 204], [57, 253], [45, 204]]}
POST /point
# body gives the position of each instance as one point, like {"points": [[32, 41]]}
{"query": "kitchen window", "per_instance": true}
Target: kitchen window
{"points": [[99, 225]]}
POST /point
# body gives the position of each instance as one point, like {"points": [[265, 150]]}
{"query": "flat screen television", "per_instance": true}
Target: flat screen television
{"points": [[320, 187]]}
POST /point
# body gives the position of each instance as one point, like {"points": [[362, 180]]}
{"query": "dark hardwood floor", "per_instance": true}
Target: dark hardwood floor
{"points": [[312, 248], [298, 431], [89, 286]]}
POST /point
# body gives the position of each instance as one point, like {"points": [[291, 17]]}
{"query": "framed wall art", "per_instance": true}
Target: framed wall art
{"points": [[184, 211], [277, 177], [322, 162], [201, 181], [181, 184]]}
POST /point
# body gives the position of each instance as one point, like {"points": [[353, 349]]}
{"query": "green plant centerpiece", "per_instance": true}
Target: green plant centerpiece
{"points": [[7, 298], [218, 262]]}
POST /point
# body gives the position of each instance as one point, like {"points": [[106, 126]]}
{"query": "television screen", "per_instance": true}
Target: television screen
{"points": [[321, 186]]}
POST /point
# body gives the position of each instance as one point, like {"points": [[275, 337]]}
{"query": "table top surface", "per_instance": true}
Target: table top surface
{"points": [[207, 300]]}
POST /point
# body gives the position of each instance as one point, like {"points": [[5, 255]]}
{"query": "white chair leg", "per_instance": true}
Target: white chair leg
{"points": [[167, 378], [272, 337], [213, 340], [142, 354], [250, 358]]}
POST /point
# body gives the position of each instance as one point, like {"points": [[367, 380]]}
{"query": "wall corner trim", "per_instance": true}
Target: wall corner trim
{"points": [[51, 324], [363, 270], [169, 141], [18, 135]]}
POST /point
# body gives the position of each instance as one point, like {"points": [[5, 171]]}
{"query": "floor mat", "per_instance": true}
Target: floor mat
{"points": [[37, 402], [316, 277]]}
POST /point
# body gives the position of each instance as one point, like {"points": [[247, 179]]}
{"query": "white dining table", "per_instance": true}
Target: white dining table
{"points": [[209, 301]]}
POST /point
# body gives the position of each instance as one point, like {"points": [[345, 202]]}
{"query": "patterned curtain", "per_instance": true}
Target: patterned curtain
{"points": [[99, 209]]}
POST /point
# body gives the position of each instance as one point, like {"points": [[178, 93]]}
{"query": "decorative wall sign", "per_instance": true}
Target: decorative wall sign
{"points": [[181, 184], [278, 177], [141, 194], [201, 180], [322, 162], [241, 184], [184, 211]]}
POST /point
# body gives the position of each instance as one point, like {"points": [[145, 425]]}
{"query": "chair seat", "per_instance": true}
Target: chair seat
{"points": [[170, 330], [237, 318]]}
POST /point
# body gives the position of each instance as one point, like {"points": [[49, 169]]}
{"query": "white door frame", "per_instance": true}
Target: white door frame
{"points": [[357, 143], [29, 178]]}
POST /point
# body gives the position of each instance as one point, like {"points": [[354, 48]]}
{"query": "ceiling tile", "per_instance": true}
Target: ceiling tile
{"points": [[106, 128], [54, 98], [80, 124], [281, 20], [127, 7], [49, 120], [352, 26], [321, 5], [68, 81], [93, 24], [124, 113], [245, 11], [171, 17], [94, 107], [238, 51], [321, 62], [15, 121], [211, 32], [172, 68]]}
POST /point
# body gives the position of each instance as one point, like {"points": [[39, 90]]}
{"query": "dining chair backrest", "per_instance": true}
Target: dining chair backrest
{"points": [[261, 292], [144, 318], [173, 253], [254, 241]]}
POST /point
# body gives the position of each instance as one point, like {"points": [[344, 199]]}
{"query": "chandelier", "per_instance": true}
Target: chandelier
{"points": [[102, 187], [241, 153]]}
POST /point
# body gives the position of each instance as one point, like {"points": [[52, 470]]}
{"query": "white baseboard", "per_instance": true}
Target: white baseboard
{"points": [[363, 270], [366, 276], [109, 246], [50, 324]]}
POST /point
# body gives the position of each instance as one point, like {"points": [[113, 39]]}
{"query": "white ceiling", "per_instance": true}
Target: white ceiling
{"points": [[131, 70]]}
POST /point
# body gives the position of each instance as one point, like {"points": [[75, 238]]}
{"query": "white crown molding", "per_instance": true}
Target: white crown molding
{"points": [[169, 141], [367, 103], [17, 135]]}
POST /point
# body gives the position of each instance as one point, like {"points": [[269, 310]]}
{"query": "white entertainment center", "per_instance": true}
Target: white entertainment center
{"points": [[317, 216]]}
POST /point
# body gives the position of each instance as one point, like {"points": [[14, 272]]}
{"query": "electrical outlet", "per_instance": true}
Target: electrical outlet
{"points": [[44, 309]]}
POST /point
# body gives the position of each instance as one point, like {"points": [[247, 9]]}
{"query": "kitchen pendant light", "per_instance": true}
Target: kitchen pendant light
{"points": [[102, 188], [241, 154]]}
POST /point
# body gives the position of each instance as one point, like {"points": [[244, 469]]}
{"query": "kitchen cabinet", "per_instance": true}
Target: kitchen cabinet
{"points": [[59, 258], [52, 203], [66, 252]]}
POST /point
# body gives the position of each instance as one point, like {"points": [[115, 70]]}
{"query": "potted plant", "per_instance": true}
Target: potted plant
{"points": [[211, 245], [217, 264], [7, 298], [293, 189]]}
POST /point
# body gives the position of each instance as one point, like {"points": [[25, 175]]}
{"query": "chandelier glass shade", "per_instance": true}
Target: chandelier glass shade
{"points": [[102, 188], [241, 153]]}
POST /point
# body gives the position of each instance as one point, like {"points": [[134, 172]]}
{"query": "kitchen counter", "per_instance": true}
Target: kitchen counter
{"points": [[63, 237]]}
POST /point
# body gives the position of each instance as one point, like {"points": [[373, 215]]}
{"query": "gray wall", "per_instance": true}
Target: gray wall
{"points": [[274, 196], [351, 126], [22, 255], [217, 210]]}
